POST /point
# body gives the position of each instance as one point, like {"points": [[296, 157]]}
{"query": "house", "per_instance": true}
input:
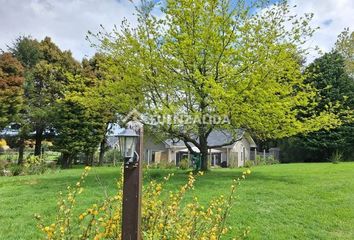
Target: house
{"points": [[173, 151]]}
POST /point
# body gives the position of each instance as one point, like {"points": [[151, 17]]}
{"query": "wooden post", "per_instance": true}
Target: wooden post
{"points": [[131, 217]]}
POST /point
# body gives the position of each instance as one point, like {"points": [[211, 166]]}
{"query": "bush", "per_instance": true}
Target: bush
{"points": [[164, 216], [162, 165], [269, 160], [248, 164], [34, 165], [184, 164], [16, 169], [4, 171], [3, 145], [336, 157]]}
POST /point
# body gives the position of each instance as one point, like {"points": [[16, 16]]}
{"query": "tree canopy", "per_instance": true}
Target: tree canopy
{"points": [[328, 75], [345, 46], [219, 58], [46, 67], [11, 89]]}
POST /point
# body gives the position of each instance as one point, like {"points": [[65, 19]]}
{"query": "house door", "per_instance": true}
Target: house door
{"points": [[215, 159], [152, 156]]}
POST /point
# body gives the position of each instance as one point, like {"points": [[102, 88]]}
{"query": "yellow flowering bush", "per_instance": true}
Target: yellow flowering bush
{"points": [[164, 214], [3, 145]]}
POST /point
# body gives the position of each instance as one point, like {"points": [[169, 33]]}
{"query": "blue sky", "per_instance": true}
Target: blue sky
{"points": [[67, 21]]}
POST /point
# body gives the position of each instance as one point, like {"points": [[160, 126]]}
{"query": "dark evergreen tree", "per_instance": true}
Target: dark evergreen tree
{"points": [[335, 92]]}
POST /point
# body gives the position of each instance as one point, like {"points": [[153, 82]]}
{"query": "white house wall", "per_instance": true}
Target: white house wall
{"points": [[151, 145], [238, 148], [172, 155]]}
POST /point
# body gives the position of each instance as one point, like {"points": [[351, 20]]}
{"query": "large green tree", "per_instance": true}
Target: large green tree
{"points": [[79, 130], [46, 76], [11, 89], [83, 126], [203, 58], [27, 51], [101, 90], [93, 69], [328, 75]]}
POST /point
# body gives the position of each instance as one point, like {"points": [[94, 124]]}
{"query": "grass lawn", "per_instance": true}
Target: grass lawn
{"points": [[289, 201]]}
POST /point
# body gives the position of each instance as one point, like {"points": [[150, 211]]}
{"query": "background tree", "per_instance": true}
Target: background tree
{"points": [[207, 58], [93, 69], [328, 75], [345, 46], [11, 89], [46, 69], [78, 131], [104, 94], [27, 51]]}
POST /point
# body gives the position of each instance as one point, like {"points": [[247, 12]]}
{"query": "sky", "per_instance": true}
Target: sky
{"points": [[68, 21]]}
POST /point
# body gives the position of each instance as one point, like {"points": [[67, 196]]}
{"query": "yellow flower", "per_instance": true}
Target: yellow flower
{"points": [[81, 217], [248, 171]]}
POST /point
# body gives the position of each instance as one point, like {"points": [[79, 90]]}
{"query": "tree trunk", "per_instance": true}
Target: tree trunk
{"points": [[102, 151], [89, 159], [203, 153], [38, 146], [65, 160], [21, 150]]}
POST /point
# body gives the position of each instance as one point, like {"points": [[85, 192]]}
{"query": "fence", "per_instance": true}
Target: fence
{"points": [[273, 152]]}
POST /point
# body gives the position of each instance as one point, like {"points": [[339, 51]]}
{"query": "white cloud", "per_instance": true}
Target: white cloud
{"points": [[332, 16], [65, 21]]}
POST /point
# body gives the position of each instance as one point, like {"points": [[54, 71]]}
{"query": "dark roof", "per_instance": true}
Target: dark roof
{"points": [[220, 137], [217, 137], [9, 132]]}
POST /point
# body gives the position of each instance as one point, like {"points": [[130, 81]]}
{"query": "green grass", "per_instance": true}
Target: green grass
{"points": [[293, 201]]}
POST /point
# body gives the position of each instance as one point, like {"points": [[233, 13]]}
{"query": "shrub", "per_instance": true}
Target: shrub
{"points": [[34, 165], [336, 157], [4, 171], [167, 165], [184, 164], [162, 165], [248, 164], [163, 215], [269, 160], [3, 145], [16, 169]]}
